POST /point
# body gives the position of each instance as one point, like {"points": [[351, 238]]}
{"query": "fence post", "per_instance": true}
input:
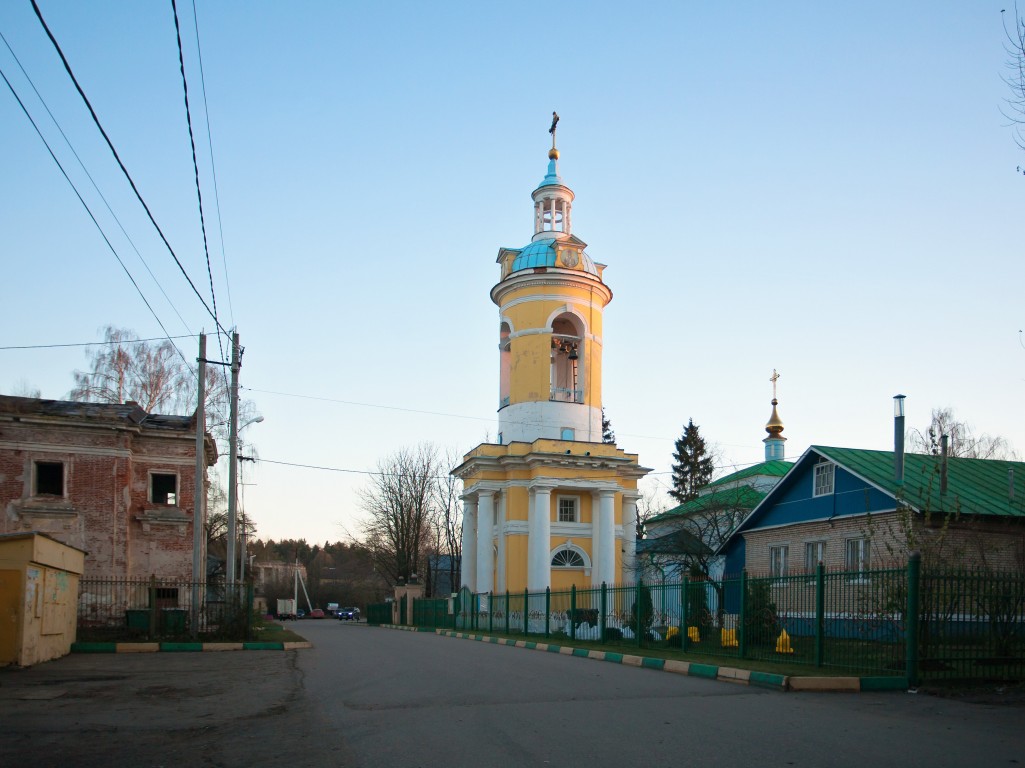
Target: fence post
{"points": [[820, 614], [153, 615], [911, 618], [249, 609], [491, 612], [548, 612], [507, 611], [526, 612], [637, 611], [684, 628], [573, 612], [741, 628], [604, 608]]}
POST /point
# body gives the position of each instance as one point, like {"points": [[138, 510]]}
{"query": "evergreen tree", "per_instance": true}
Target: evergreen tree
{"points": [[607, 435], [692, 465]]}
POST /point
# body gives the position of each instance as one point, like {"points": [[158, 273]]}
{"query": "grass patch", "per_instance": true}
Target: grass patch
{"points": [[710, 660], [271, 632]]}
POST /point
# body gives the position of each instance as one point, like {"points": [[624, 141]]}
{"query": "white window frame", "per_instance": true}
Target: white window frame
{"points": [[575, 501], [859, 550], [586, 567], [814, 553], [824, 480], [779, 560]]}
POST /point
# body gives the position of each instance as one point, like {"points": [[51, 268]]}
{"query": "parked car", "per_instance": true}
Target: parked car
{"points": [[317, 613], [301, 613], [348, 614]]}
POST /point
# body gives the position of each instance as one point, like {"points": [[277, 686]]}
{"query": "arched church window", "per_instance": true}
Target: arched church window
{"points": [[567, 558]]}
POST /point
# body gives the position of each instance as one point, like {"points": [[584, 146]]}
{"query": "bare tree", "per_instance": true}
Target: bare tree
{"points": [[153, 375], [448, 523], [1015, 77], [24, 389], [963, 442], [401, 503]]}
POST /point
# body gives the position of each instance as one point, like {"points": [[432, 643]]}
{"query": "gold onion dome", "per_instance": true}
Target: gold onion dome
{"points": [[553, 154], [775, 425]]}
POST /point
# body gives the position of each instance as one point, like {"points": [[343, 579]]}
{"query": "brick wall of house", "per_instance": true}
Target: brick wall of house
{"points": [[106, 507], [966, 543]]}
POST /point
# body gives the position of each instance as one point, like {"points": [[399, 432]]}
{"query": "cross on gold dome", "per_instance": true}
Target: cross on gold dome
{"points": [[774, 378]]}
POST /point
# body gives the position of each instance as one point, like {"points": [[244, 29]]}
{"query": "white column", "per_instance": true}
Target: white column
{"points": [[485, 552], [500, 582], [595, 539], [629, 539], [607, 537], [468, 564], [539, 543]]}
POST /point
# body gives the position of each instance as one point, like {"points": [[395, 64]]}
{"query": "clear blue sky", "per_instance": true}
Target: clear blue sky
{"points": [[829, 191]]}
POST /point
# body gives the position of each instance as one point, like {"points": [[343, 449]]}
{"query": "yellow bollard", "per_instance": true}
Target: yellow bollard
{"points": [[783, 643], [729, 638], [693, 635], [672, 632]]}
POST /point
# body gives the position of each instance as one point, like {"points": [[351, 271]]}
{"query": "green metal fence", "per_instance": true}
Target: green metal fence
{"points": [[379, 613], [163, 609], [894, 621]]}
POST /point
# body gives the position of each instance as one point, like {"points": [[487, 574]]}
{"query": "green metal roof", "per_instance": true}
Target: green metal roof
{"points": [[776, 468], [974, 486], [744, 497]]}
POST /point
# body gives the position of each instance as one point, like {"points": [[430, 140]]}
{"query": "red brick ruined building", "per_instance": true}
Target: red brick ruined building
{"points": [[112, 480]]}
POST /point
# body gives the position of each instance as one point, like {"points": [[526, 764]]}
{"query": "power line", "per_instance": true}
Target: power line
{"points": [[95, 222], [93, 181], [442, 413], [117, 157], [93, 343], [213, 165], [195, 168]]}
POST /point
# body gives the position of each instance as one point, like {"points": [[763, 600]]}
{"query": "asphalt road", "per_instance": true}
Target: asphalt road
{"points": [[365, 696]]}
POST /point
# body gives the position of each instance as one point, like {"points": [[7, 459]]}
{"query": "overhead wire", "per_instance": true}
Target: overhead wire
{"points": [[94, 343], [92, 181], [213, 165], [94, 220], [117, 157], [199, 190], [195, 169]]}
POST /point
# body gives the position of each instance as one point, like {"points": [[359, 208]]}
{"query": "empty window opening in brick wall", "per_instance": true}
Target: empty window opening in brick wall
{"points": [[164, 488], [49, 478], [167, 597]]}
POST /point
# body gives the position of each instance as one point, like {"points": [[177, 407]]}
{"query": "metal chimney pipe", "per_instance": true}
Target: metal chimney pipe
{"points": [[898, 438], [944, 439]]}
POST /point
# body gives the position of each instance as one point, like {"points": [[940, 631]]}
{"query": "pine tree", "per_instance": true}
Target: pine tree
{"points": [[607, 435], [692, 467]]}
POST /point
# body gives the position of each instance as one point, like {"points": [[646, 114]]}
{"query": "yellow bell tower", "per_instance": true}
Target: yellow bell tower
{"points": [[549, 504]]}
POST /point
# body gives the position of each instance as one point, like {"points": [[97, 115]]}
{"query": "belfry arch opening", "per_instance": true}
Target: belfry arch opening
{"points": [[567, 356], [505, 364]]}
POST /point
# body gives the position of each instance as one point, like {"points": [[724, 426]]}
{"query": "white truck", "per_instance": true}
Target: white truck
{"points": [[286, 609]]}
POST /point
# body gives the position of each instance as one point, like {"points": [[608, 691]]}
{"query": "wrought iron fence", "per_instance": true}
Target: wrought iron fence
{"points": [[893, 621], [159, 609]]}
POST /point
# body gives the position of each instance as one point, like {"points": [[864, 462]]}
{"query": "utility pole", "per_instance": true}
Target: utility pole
{"points": [[229, 578], [198, 512]]}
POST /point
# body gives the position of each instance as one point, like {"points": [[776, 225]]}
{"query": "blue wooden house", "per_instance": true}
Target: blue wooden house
{"points": [[845, 507]]}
